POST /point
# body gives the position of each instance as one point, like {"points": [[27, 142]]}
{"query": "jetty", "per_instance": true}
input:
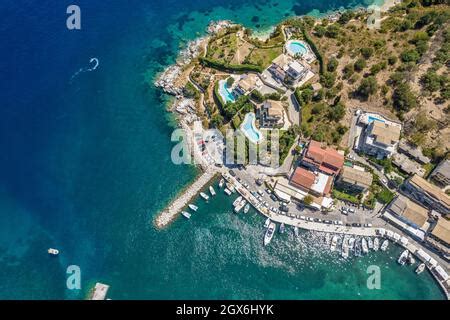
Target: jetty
{"points": [[183, 199], [100, 291]]}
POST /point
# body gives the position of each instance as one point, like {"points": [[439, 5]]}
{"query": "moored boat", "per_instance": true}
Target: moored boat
{"points": [[370, 243], [204, 195], [193, 207], [296, 231], [221, 182], [420, 268], [247, 207], [282, 228], [411, 259], [351, 243], [358, 248], [231, 187], [364, 246], [269, 233], [266, 224], [345, 247], [403, 257], [327, 238], [228, 192], [376, 244], [53, 252], [333, 243], [212, 191], [187, 215], [384, 245], [240, 205], [236, 201]]}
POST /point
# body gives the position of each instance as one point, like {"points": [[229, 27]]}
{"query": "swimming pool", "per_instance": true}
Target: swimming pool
{"points": [[225, 93], [371, 118], [296, 47], [248, 127]]}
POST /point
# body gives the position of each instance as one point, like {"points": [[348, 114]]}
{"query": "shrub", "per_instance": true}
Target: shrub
{"points": [[368, 87], [332, 65], [359, 65]]}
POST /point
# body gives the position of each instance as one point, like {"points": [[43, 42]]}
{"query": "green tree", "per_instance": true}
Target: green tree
{"points": [[332, 65], [410, 55], [368, 87], [404, 98], [367, 52], [360, 64]]}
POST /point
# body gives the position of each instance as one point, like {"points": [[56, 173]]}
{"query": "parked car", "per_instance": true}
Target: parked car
{"points": [[260, 193], [351, 210], [273, 197], [268, 191], [233, 174]]}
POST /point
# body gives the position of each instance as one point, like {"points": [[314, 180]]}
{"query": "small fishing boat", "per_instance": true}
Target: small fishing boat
{"points": [[246, 208], [212, 191], [327, 239], [333, 243], [237, 201], [384, 245], [269, 233], [358, 248], [187, 215], [420, 268], [364, 246], [296, 232], [193, 207], [282, 228], [266, 224], [345, 247], [376, 244], [370, 243], [403, 257], [228, 192], [53, 252], [204, 196], [221, 182], [240, 205]]}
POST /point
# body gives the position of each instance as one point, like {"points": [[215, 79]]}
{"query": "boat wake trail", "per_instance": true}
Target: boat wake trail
{"points": [[93, 64]]}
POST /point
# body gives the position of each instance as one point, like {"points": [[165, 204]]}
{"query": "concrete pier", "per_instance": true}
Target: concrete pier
{"points": [[183, 199]]}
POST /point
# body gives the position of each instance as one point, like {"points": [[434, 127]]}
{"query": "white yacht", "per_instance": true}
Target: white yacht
{"points": [[403, 257], [296, 233], [333, 243], [186, 214], [351, 243], [240, 205], [212, 191], [221, 182], [364, 246], [204, 196], [376, 244], [269, 233], [411, 259], [53, 252], [193, 207], [384, 245], [345, 247], [327, 238], [420, 268], [247, 207], [228, 192], [282, 228]]}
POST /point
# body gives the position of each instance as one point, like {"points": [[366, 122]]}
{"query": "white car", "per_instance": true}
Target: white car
{"points": [[260, 193], [351, 210]]}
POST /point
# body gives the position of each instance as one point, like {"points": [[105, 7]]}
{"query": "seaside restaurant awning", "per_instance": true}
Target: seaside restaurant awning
{"points": [[433, 263], [441, 272], [404, 241], [381, 231], [389, 234], [423, 255], [396, 236]]}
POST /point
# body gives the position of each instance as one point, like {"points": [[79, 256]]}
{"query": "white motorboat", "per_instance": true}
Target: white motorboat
{"points": [[221, 182], [411, 259], [351, 243], [53, 252], [345, 248], [247, 207], [240, 205], [204, 196], [237, 201], [228, 192], [333, 243], [364, 246], [370, 243], [186, 214], [403, 257], [420, 268], [282, 228], [231, 187], [212, 191], [269, 233], [384, 245], [193, 207], [266, 224], [327, 239], [296, 231], [376, 244]]}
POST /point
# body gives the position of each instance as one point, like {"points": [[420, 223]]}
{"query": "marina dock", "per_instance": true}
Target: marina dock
{"points": [[321, 227], [183, 199]]}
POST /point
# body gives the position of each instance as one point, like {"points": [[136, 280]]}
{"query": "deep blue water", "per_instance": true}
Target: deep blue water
{"points": [[85, 164]]}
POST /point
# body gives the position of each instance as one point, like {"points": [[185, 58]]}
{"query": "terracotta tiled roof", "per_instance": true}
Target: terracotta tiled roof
{"points": [[325, 157], [303, 178]]}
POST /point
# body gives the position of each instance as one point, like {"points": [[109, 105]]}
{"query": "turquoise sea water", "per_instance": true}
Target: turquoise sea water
{"points": [[85, 167]]}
